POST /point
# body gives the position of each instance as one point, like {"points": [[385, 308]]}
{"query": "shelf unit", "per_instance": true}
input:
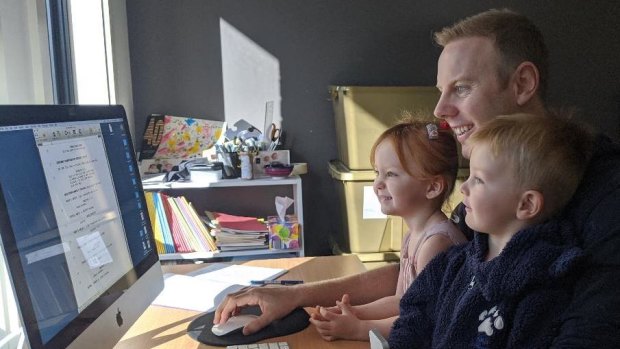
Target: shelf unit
{"points": [[196, 190]]}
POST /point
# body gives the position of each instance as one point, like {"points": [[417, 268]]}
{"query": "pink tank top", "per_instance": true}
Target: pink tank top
{"points": [[408, 270]]}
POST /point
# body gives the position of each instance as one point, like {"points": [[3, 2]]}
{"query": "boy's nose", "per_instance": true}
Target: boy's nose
{"points": [[464, 189]]}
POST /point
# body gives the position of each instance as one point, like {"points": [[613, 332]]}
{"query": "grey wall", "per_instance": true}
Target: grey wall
{"points": [[176, 68]]}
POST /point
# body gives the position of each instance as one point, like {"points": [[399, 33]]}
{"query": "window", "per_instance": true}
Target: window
{"points": [[65, 52], [92, 52]]}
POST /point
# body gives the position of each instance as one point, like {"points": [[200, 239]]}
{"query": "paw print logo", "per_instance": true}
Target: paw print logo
{"points": [[491, 320]]}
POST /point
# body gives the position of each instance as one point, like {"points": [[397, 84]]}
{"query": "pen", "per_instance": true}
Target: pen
{"points": [[276, 282]]}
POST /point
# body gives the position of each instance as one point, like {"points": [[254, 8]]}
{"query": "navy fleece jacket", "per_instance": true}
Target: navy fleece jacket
{"points": [[592, 319], [512, 301]]}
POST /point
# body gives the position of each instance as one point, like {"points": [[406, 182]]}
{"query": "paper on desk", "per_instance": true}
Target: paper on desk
{"points": [[236, 274], [187, 292], [204, 289]]}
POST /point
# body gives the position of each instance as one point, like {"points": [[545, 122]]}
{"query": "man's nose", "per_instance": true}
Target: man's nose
{"points": [[444, 109]]}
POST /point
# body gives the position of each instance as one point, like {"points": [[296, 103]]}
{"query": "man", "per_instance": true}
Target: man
{"points": [[495, 63]]}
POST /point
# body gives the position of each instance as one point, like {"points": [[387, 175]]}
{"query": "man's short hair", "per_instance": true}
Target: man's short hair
{"points": [[516, 38], [546, 153]]}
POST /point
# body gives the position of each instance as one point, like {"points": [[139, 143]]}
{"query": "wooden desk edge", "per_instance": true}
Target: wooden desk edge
{"points": [[161, 327]]}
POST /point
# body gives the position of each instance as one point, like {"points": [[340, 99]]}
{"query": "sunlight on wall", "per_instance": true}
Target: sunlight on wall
{"points": [[251, 78]]}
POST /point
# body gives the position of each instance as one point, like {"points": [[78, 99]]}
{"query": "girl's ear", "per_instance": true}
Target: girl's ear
{"points": [[435, 187], [530, 205]]}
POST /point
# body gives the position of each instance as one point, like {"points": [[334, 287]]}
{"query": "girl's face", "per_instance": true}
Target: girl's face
{"points": [[398, 192]]}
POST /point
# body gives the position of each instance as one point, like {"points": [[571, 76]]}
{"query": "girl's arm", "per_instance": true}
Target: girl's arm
{"points": [[431, 248], [380, 309]]}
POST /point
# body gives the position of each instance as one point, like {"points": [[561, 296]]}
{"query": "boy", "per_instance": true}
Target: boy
{"points": [[506, 288]]}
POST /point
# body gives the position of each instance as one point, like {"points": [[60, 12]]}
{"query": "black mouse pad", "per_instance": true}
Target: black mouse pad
{"points": [[200, 328]]}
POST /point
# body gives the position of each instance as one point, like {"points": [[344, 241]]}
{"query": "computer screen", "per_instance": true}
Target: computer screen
{"points": [[74, 224]]}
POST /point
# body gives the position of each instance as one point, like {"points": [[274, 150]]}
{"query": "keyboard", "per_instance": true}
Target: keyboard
{"points": [[273, 345]]}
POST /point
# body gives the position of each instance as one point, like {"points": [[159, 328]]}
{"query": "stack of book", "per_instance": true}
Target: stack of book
{"points": [[176, 225], [237, 232]]}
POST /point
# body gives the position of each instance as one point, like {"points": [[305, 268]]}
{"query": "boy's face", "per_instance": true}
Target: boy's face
{"points": [[399, 193], [491, 194], [471, 89]]}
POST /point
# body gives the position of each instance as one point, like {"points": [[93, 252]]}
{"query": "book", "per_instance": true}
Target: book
{"points": [[155, 223], [196, 230], [202, 230], [234, 232], [180, 245], [164, 225], [239, 223], [185, 231]]}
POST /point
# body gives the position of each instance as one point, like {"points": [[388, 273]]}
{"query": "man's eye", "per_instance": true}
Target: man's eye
{"points": [[390, 174], [461, 90], [478, 180]]}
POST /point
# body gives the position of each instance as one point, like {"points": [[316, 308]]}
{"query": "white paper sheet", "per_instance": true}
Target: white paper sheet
{"points": [[203, 289], [236, 274]]}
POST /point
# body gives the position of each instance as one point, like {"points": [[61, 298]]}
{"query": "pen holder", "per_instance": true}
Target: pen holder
{"points": [[231, 165], [284, 235]]}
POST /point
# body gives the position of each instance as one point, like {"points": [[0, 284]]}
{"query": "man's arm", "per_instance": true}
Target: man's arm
{"points": [[277, 302], [592, 320]]}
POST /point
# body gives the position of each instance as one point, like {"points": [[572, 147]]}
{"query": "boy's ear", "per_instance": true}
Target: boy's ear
{"points": [[435, 187], [526, 80], [530, 205]]}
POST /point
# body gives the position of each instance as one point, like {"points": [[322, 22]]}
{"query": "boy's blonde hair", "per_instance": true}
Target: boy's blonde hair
{"points": [[433, 157], [548, 153]]}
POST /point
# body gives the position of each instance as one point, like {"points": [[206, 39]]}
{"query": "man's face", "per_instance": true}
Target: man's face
{"points": [[471, 90]]}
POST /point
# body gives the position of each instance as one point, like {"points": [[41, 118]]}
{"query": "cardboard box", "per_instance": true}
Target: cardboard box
{"points": [[362, 113], [284, 235]]}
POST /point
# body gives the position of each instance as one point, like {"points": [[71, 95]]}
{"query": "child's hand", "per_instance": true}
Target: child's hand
{"points": [[316, 314], [335, 309], [340, 324]]}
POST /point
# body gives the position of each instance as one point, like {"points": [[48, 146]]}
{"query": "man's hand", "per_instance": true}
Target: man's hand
{"points": [[275, 302]]}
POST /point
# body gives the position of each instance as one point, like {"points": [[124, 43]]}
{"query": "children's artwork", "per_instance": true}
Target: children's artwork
{"points": [[175, 137]]}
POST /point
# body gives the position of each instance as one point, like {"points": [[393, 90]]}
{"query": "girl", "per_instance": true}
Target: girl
{"points": [[416, 164]]}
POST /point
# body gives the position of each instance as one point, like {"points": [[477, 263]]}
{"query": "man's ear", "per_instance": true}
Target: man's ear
{"points": [[435, 187], [526, 80], [530, 205]]}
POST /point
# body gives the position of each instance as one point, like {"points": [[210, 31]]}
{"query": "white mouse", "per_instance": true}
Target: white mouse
{"points": [[232, 324]]}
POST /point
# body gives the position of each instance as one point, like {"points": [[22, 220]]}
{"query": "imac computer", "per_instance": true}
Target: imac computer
{"points": [[74, 225]]}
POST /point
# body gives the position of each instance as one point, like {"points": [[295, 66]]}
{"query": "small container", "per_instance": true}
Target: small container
{"points": [[246, 165], [278, 170], [230, 164]]}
